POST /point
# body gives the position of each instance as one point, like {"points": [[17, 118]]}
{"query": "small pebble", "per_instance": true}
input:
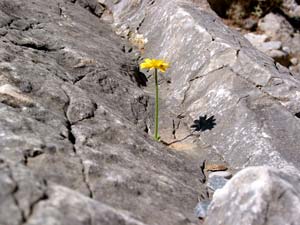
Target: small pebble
{"points": [[286, 49], [26, 86], [225, 174], [294, 61]]}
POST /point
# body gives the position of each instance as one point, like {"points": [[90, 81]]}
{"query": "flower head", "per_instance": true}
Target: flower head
{"points": [[155, 64]]}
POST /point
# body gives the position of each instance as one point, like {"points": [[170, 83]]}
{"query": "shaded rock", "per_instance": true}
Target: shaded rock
{"points": [[257, 195], [280, 56], [202, 208], [291, 8], [250, 24], [216, 182]]}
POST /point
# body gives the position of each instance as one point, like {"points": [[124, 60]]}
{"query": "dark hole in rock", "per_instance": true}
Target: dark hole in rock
{"points": [[297, 114], [220, 6]]}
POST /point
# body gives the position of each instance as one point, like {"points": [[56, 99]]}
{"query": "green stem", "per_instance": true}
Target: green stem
{"points": [[156, 136]]}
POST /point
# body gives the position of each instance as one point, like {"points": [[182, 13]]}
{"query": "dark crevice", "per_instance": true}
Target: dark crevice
{"points": [[31, 153], [140, 24], [72, 139], [266, 215], [151, 2], [297, 114], [25, 218], [260, 88], [241, 98], [85, 178], [15, 199], [175, 127], [79, 78], [40, 47], [202, 170], [8, 24], [198, 77], [43, 197], [176, 141]]}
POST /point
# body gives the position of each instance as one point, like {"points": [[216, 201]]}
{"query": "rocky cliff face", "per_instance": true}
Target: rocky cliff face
{"points": [[76, 114]]}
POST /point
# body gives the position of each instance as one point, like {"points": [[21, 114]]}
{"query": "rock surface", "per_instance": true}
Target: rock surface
{"points": [[257, 196], [254, 99], [291, 8], [278, 28], [73, 114], [76, 114], [26, 199]]}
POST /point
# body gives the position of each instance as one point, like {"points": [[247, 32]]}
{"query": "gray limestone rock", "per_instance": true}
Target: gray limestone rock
{"points": [[275, 26], [221, 74], [25, 198], [74, 114], [258, 196]]}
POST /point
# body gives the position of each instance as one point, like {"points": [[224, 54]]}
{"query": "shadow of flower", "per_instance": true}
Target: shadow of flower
{"points": [[204, 123]]}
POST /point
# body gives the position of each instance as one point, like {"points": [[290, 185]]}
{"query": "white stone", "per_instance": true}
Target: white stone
{"points": [[294, 61], [256, 39], [225, 174]]}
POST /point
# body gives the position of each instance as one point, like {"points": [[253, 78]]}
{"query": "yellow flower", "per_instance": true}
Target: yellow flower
{"points": [[155, 64]]}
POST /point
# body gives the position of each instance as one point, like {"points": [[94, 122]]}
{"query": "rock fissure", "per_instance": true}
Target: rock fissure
{"points": [[33, 205], [260, 88], [31, 153], [16, 201], [198, 77], [72, 139]]}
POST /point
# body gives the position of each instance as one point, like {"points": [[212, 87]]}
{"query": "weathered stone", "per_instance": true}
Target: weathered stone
{"points": [[90, 123], [275, 26], [258, 196], [256, 39], [86, 125], [294, 61], [222, 75], [28, 199], [270, 45], [278, 28]]}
